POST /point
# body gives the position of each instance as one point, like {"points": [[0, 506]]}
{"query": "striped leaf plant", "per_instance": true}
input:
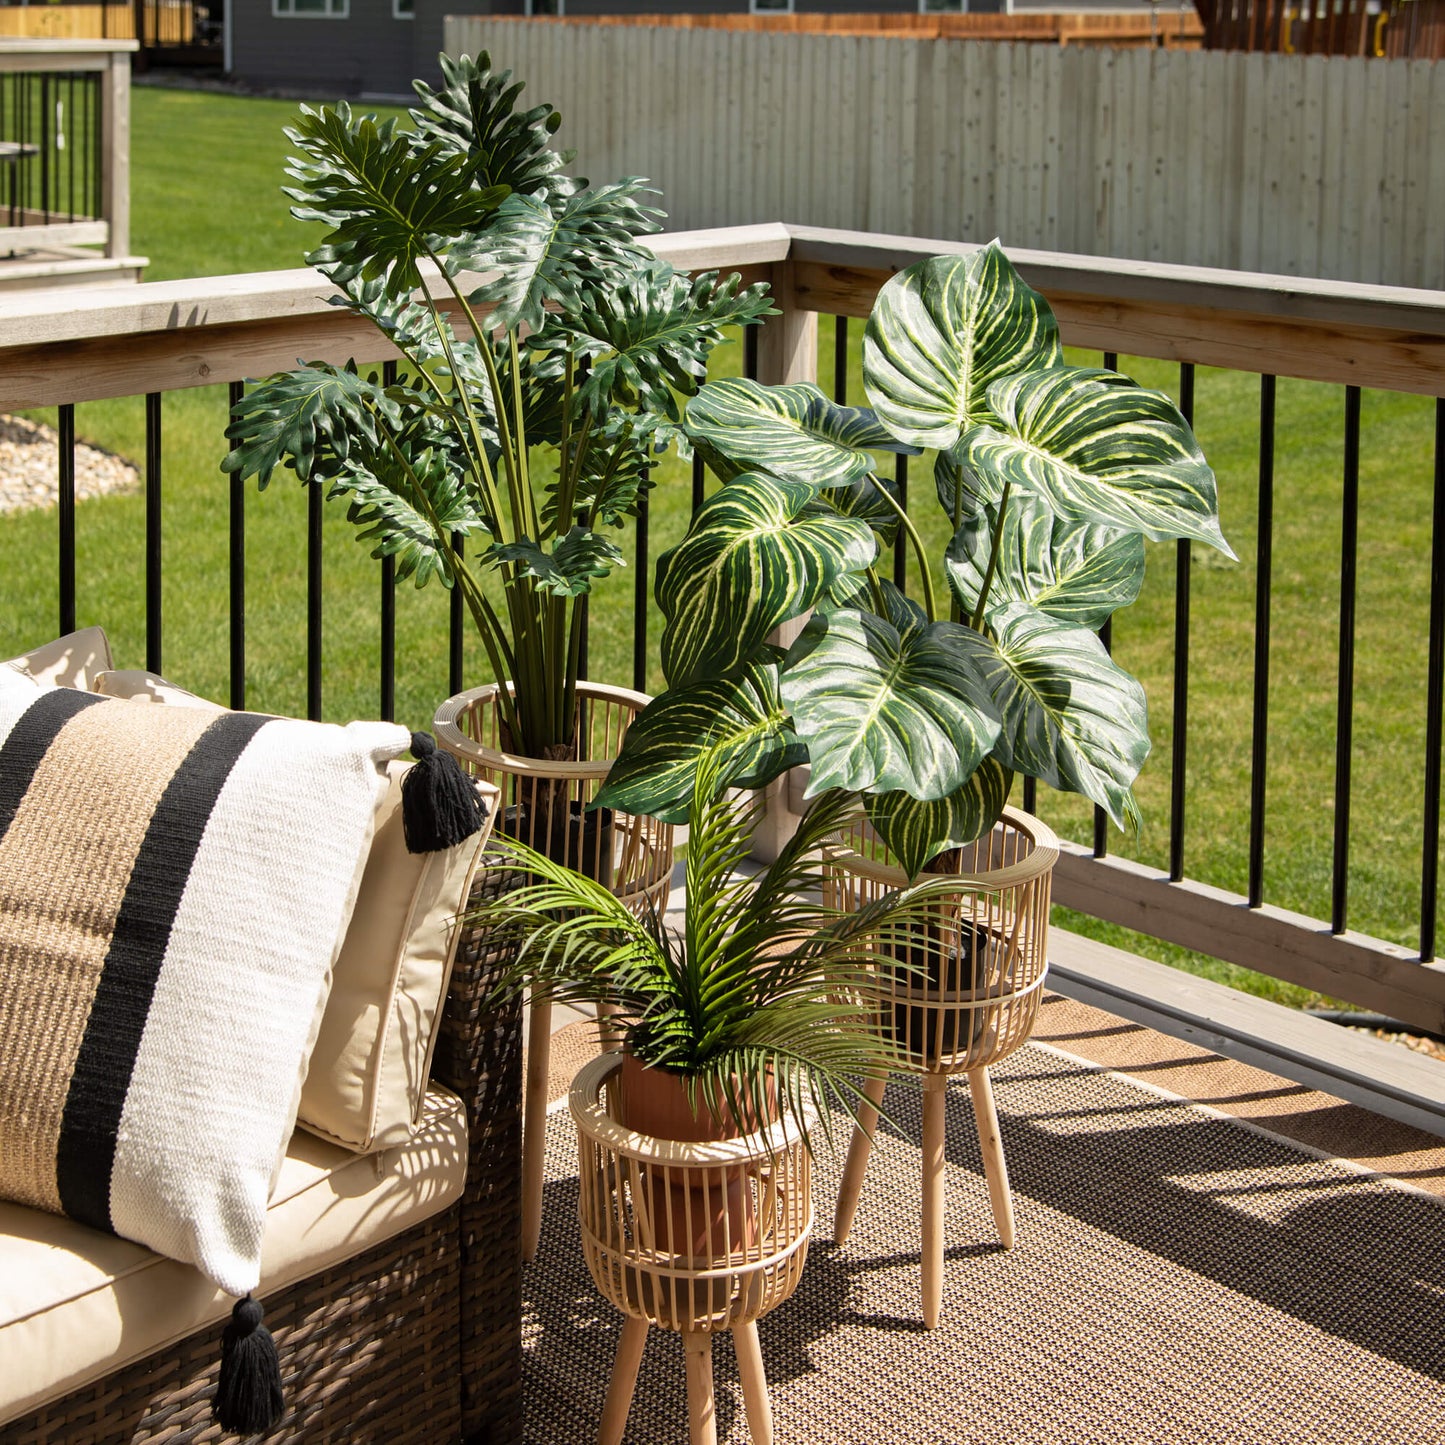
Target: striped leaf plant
{"points": [[1051, 477]]}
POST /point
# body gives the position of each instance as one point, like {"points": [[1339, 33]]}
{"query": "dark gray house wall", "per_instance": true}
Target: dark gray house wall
{"points": [[371, 52]]}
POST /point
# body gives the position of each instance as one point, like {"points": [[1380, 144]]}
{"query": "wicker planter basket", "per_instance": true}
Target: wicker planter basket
{"points": [[633, 856], [982, 956], [625, 1178], [544, 804]]}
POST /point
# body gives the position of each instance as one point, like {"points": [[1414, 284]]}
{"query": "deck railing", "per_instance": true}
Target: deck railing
{"points": [[159, 338], [65, 145]]}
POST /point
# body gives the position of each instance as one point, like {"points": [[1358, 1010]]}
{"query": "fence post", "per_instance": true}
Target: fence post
{"points": [[787, 353], [115, 151]]}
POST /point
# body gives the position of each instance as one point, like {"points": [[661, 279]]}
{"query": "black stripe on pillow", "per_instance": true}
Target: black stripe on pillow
{"points": [[85, 1155], [30, 739]]}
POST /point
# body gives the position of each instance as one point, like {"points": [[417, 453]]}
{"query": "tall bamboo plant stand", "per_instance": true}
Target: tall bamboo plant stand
{"points": [[544, 804], [665, 1248], [979, 960]]}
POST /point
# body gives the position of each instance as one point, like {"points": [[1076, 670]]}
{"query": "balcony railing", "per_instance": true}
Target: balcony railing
{"points": [[64, 145], [162, 338]]}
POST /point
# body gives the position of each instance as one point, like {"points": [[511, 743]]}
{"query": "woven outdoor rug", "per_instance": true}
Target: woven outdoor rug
{"points": [[1178, 1277]]}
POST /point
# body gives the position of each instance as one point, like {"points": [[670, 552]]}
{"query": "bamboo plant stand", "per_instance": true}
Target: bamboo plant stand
{"points": [[984, 950], [632, 856], [696, 1238]]}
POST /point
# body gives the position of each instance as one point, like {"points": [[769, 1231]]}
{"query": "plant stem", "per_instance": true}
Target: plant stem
{"points": [[929, 601], [977, 623]]}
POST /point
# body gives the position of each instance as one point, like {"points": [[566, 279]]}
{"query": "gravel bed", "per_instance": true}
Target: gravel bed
{"points": [[30, 467]]}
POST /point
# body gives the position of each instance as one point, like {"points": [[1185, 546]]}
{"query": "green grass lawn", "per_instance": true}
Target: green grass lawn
{"points": [[206, 177]]}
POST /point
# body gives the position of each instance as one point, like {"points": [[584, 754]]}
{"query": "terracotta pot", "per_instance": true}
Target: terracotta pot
{"points": [[701, 1214]]}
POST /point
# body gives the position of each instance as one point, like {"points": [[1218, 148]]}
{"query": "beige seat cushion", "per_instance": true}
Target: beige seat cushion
{"points": [[70, 661], [377, 1033], [76, 1304]]}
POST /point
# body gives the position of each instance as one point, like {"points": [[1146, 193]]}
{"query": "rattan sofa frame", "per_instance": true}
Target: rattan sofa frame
{"points": [[419, 1338]]}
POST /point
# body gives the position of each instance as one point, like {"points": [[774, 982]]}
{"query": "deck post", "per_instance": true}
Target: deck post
{"points": [[115, 152], [787, 353]]}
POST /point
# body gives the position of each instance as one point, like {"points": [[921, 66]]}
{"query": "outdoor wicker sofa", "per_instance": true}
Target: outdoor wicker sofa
{"points": [[416, 1338]]}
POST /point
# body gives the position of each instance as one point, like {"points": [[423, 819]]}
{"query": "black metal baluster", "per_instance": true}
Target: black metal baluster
{"points": [[1264, 561], [750, 352], [699, 482], [1106, 636], [1101, 818], [1344, 707], [238, 571], [66, 480], [153, 532], [45, 181], [1434, 701], [840, 360], [900, 543], [388, 605], [455, 634], [639, 595], [314, 504], [96, 179], [1183, 564], [70, 144], [1031, 795]]}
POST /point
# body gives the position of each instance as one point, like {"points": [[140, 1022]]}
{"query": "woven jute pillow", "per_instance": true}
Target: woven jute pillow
{"points": [[174, 885], [366, 1082]]}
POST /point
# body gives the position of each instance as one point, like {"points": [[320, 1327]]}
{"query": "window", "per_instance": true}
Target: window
{"points": [[403, 9], [770, 7], [311, 9]]}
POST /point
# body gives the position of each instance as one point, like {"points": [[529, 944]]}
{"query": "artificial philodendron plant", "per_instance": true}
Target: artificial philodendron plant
{"points": [[544, 354], [1051, 476], [763, 993]]}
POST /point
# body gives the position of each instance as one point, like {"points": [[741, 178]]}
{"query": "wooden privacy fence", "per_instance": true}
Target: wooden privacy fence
{"points": [[1294, 165], [1179, 27]]}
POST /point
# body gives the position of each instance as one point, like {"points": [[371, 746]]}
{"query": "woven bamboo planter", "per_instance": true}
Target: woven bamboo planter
{"points": [[980, 957], [626, 1180], [544, 804]]}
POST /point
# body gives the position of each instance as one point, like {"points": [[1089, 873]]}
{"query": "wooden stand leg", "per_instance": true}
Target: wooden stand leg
{"points": [[623, 1382], [857, 1165], [934, 1105], [754, 1383], [534, 1123], [990, 1144], [701, 1406]]}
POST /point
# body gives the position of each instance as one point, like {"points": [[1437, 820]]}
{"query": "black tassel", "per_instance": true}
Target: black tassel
{"points": [[440, 807], [248, 1393]]}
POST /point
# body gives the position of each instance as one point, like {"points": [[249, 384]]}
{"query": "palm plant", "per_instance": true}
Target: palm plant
{"points": [[765, 989], [1050, 477], [543, 355]]}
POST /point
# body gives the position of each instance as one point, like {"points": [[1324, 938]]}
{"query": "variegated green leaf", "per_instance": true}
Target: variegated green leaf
{"points": [[852, 591], [1071, 716], [880, 712], [790, 431], [757, 553], [862, 498], [743, 716], [1077, 572], [950, 477], [940, 332], [915, 832], [1099, 448]]}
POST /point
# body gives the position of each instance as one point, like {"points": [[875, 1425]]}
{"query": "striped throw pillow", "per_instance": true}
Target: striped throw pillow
{"points": [[173, 890]]}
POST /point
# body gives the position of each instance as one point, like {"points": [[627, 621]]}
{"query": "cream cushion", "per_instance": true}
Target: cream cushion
{"points": [[70, 661], [76, 1304], [377, 1030]]}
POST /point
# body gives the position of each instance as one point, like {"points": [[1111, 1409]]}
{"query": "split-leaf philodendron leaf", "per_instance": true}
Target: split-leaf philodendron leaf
{"points": [[915, 832]]}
